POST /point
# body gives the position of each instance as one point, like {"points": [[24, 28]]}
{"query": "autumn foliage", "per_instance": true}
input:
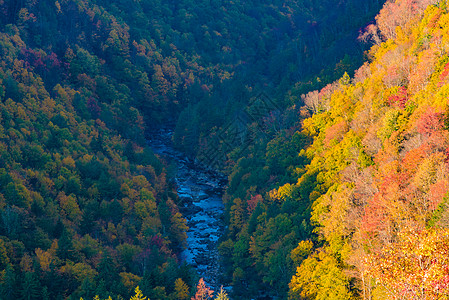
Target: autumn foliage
{"points": [[337, 193], [381, 212], [203, 292], [415, 266]]}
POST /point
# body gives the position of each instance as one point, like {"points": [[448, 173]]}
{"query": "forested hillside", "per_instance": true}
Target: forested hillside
{"points": [[380, 147], [351, 202], [271, 47], [85, 206], [84, 210]]}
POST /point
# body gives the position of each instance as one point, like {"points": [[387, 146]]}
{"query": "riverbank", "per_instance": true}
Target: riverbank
{"points": [[200, 191]]}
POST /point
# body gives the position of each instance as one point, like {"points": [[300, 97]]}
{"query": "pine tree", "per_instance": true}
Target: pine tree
{"points": [[181, 289], [8, 288], [45, 293], [101, 288], [138, 295], [65, 245], [222, 294], [30, 289], [88, 288], [107, 270]]}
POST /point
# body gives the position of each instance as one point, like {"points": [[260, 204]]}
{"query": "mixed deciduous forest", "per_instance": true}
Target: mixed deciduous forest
{"points": [[329, 118]]}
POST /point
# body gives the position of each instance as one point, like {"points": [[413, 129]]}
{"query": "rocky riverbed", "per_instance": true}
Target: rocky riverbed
{"points": [[200, 191]]}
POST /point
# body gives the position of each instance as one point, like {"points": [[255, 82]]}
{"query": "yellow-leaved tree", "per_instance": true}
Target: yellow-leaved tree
{"points": [[320, 277], [138, 295], [415, 266]]}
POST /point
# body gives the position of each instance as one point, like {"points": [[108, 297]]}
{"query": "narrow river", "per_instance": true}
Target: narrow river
{"points": [[200, 191]]}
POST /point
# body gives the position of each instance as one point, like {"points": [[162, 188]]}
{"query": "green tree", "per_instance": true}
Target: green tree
{"points": [[107, 271], [237, 216], [31, 287], [45, 293], [65, 245], [9, 288]]}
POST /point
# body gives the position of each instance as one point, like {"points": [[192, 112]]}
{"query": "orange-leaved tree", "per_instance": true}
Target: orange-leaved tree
{"points": [[203, 291]]}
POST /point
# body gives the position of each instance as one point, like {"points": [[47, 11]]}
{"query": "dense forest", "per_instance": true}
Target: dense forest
{"points": [[351, 201], [330, 119]]}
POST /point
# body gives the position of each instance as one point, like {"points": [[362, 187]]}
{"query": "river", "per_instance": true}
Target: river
{"points": [[201, 191]]}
